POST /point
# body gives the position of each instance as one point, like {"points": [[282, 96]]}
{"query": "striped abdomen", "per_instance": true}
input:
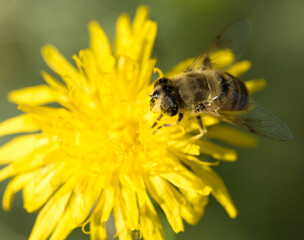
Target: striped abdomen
{"points": [[234, 93]]}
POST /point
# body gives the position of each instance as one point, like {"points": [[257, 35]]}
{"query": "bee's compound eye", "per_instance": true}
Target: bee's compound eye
{"points": [[161, 81], [169, 105], [156, 94]]}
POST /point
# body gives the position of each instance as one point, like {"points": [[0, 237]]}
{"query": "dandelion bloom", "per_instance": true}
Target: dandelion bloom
{"points": [[93, 154]]}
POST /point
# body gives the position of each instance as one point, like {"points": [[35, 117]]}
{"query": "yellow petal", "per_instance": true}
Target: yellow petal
{"points": [[150, 224], [216, 151], [131, 207], [60, 89], [80, 205], [49, 217], [101, 48], [239, 68], [145, 74], [222, 58], [141, 16], [25, 145], [62, 67], [135, 42], [255, 85], [41, 187], [198, 160], [99, 41], [36, 95], [149, 31], [121, 224], [123, 32], [15, 185], [209, 121], [97, 229], [28, 163], [194, 210], [87, 65], [219, 189], [232, 136], [20, 124], [191, 149], [169, 199], [173, 215], [135, 181], [183, 179], [6, 172], [185, 147], [106, 203]]}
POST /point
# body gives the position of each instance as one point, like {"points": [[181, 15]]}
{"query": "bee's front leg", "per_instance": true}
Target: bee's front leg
{"points": [[157, 120], [202, 129], [180, 117]]}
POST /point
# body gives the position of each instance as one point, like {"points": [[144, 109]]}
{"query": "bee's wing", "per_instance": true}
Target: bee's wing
{"points": [[231, 42], [257, 120]]}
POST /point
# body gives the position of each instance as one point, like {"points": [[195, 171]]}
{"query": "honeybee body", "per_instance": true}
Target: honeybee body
{"points": [[203, 89]]}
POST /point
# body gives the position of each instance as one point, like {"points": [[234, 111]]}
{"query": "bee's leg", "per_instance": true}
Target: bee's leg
{"points": [[157, 120], [202, 129], [180, 117]]}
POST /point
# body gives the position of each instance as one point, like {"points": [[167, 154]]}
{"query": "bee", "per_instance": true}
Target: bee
{"points": [[202, 89]]}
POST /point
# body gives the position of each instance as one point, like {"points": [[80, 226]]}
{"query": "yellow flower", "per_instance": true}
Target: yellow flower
{"points": [[93, 154]]}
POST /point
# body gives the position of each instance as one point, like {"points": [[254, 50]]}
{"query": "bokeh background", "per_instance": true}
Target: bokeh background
{"points": [[266, 183]]}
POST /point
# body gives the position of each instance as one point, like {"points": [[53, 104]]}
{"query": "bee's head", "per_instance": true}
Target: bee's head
{"points": [[164, 98]]}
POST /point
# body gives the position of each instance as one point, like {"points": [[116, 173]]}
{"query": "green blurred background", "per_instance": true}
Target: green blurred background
{"points": [[265, 183]]}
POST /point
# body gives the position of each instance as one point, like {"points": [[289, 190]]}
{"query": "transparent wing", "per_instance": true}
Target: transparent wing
{"points": [[257, 120], [226, 48]]}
